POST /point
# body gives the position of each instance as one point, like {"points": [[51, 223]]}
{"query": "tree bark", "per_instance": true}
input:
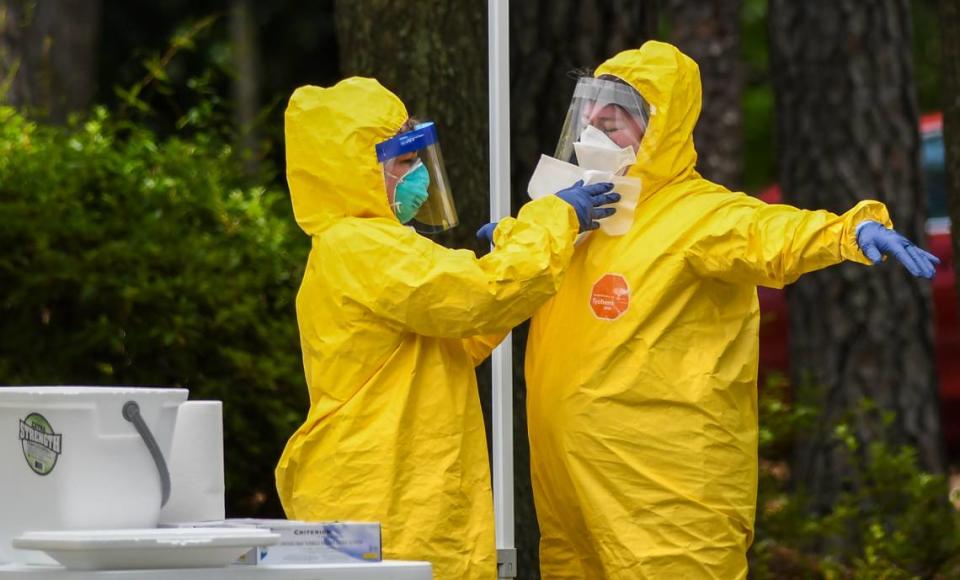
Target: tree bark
{"points": [[950, 29], [246, 83], [848, 130], [432, 54], [49, 54], [709, 33]]}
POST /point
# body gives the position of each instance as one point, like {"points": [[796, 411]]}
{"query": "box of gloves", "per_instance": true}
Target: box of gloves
{"points": [[314, 542]]}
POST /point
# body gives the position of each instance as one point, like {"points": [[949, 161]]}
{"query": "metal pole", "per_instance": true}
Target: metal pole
{"points": [[498, 36]]}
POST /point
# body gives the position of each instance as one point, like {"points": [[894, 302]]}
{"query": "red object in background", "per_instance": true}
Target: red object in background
{"points": [[773, 304]]}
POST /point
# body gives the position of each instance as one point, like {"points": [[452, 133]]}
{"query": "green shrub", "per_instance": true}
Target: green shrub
{"points": [[137, 260], [896, 522]]}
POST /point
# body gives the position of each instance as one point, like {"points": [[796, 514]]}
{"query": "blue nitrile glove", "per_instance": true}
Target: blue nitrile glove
{"points": [[586, 200], [485, 233], [876, 241], [338, 539]]}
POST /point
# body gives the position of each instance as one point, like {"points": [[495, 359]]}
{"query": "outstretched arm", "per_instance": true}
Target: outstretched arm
{"points": [[748, 241]]}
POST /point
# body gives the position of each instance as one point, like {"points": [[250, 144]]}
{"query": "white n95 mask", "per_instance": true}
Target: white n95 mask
{"points": [[597, 152]]}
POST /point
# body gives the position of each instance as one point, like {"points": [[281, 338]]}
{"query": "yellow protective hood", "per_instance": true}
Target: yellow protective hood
{"points": [[670, 83], [331, 135]]}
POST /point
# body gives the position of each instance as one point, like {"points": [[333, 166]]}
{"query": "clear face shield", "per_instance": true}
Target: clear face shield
{"points": [[416, 180], [604, 126]]}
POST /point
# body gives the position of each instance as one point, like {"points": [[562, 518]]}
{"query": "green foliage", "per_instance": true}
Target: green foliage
{"points": [[894, 521], [167, 97], [139, 260], [758, 103], [927, 53]]}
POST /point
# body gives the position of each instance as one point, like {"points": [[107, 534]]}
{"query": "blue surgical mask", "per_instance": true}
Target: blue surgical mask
{"points": [[411, 192]]}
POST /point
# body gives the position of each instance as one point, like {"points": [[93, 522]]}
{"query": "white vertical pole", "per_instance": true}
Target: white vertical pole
{"points": [[498, 36]]}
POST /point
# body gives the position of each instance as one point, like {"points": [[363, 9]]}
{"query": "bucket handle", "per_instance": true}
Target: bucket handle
{"points": [[131, 412]]}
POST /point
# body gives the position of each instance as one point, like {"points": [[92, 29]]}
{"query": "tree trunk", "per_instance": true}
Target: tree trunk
{"points": [[709, 33], [243, 40], [49, 54], [950, 27], [848, 130], [432, 54]]}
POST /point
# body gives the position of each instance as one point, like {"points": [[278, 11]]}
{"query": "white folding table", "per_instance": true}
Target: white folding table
{"points": [[387, 570]]}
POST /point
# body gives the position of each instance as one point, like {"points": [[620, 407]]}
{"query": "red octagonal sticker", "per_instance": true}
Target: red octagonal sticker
{"points": [[610, 297]]}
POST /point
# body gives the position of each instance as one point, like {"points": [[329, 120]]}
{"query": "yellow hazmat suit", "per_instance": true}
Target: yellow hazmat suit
{"points": [[642, 370], [388, 326]]}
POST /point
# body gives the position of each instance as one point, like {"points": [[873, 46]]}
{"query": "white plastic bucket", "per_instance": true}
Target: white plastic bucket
{"points": [[71, 460]]}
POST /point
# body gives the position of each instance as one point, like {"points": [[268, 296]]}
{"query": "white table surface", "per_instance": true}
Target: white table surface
{"points": [[387, 570]]}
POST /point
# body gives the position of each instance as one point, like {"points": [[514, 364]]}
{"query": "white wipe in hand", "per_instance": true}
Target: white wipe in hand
{"points": [[553, 175], [629, 189]]}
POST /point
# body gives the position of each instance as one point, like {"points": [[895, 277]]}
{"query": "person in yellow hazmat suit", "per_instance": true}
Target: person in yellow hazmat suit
{"points": [[642, 370], [392, 326]]}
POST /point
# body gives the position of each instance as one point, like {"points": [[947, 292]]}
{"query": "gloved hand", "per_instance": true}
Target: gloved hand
{"points": [[485, 233], [586, 200], [876, 241], [337, 538]]}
